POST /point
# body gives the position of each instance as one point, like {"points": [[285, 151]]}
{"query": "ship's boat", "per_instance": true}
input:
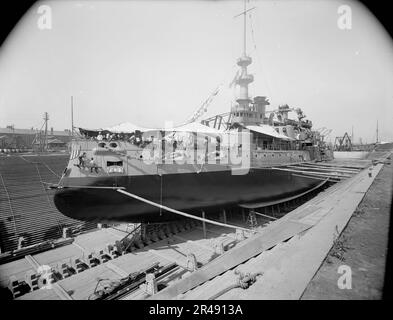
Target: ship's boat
{"points": [[129, 173]]}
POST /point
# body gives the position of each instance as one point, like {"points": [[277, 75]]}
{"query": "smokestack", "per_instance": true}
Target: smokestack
{"points": [[261, 103]]}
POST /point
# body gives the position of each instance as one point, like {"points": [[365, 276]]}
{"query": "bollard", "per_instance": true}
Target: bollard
{"points": [[220, 248], [20, 242], [65, 233], [240, 235], [151, 284], [191, 262]]}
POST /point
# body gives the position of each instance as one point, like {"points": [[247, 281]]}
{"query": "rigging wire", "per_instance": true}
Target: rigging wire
{"points": [[257, 56], [41, 162]]}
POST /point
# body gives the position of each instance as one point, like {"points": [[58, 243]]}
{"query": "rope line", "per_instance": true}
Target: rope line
{"points": [[59, 226], [40, 162], [10, 205], [183, 213], [244, 281], [257, 55]]}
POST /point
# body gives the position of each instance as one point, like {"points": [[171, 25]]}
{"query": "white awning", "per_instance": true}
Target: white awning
{"points": [[269, 131], [195, 127], [189, 127], [127, 127]]}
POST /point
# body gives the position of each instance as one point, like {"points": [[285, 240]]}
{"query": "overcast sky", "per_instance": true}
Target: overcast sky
{"points": [[148, 62]]}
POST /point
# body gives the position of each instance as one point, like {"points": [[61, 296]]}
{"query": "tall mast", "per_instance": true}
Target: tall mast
{"points": [[243, 113], [377, 131], [244, 29]]}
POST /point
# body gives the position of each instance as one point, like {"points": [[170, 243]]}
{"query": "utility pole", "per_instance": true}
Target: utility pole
{"points": [[72, 115], [46, 118], [352, 136]]}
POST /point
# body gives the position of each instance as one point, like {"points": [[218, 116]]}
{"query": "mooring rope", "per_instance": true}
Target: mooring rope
{"points": [[244, 281], [183, 213]]}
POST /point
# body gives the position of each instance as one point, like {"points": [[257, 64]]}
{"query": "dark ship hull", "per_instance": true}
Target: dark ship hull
{"points": [[189, 192]]}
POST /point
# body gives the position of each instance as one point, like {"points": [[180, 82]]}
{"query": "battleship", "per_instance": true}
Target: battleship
{"points": [[128, 173]]}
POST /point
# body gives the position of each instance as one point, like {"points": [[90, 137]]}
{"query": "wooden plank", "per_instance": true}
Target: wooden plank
{"points": [[61, 293], [195, 243], [331, 169], [334, 175], [83, 284], [79, 247], [44, 294], [118, 234], [58, 254], [316, 178], [180, 263], [218, 233], [132, 262], [245, 250], [264, 215], [116, 269], [350, 166], [97, 240], [32, 262]]}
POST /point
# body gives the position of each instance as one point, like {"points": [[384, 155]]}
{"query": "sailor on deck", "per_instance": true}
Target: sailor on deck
{"points": [[82, 160], [93, 165]]}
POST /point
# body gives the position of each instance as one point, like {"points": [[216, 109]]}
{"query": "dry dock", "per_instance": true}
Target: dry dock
{"points": [[280, 259]]}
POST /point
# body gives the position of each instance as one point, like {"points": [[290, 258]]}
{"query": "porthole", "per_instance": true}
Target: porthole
{"points": [[102, 144], [113, 145]]}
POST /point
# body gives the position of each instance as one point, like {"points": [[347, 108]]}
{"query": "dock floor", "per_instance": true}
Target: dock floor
{"points": [[366, 242]]}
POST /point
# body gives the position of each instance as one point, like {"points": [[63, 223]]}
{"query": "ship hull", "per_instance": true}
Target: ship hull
{"points": [[188, 192]]}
